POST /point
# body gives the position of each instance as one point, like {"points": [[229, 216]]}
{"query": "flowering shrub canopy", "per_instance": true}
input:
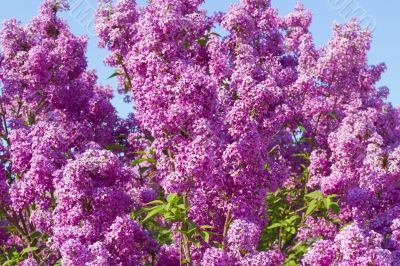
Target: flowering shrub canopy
{"points": [[252, 148]]}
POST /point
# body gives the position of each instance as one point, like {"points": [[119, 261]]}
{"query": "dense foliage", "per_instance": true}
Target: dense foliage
{"points": [[252, 148]]}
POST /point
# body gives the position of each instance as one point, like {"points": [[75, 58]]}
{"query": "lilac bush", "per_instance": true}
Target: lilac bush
{"points": [[252, 148]]}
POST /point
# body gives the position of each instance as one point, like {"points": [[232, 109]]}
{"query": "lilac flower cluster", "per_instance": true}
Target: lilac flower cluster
{"points": [[61, 190], [218, 121], [224, 111], [352, 246]]}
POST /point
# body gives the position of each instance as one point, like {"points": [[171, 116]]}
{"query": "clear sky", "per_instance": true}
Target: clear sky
{"points": [[382, 16]]}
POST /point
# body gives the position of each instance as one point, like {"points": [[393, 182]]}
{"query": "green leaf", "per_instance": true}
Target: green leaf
{"points": [[155, 202], [138, 161], [31, 119], [267, 167], [141, 160], [306, 139], [35, 235], [327, 202], [335, 207], [154, 207], [218, 245], [314, 195], [10, 262], [158, 210], [58, 263], [151, 174], [191, 228], [196, 243], [292, 219], [332, 115], [291, 263], [303, 167], [302, 128], [142, 170], [115, 147], [181, 206], [202, 42], [275, 225], [28, 250], [164, 231], [206, 236], [311, 207], [186, 44], [184, 133], [207, 227], [116, 73], [302, 155], [151, 160], [169, 216], [172, 197]]}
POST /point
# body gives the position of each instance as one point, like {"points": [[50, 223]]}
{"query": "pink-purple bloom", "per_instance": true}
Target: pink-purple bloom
{"points": [[221, 121]]}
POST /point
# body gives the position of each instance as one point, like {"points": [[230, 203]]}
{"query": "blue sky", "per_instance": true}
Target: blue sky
{"points": [[383, 18]]}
